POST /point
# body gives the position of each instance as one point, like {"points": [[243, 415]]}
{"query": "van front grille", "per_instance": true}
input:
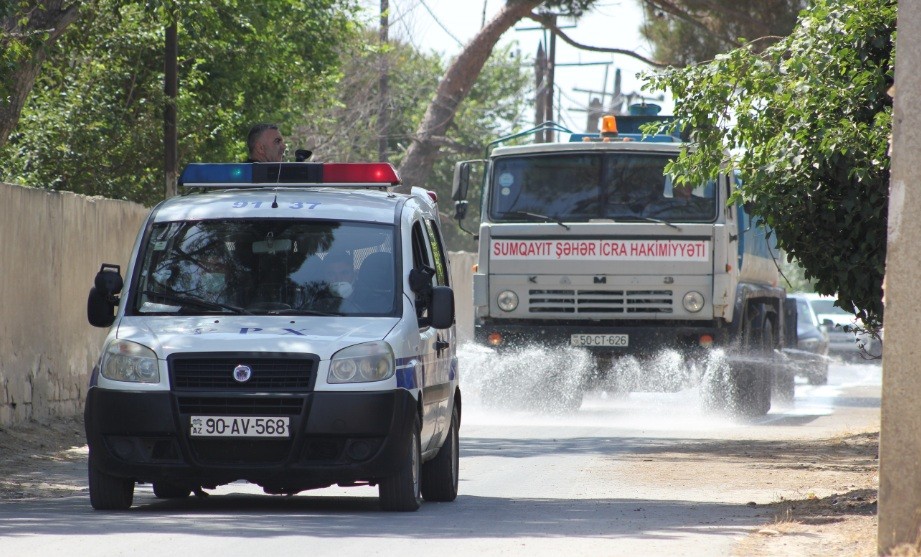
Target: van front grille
{"points": [[216, 372]]}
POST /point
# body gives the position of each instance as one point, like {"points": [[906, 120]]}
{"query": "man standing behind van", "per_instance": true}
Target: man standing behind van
{"points": [[265, 143]]}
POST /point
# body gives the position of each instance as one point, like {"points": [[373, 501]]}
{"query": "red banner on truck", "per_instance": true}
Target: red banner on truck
{"points": [[601, 250]]}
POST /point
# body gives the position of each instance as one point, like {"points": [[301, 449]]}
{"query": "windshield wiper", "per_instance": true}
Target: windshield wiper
{"points": [[659, 221], [189, 300], [304, 312], [544, 218]]}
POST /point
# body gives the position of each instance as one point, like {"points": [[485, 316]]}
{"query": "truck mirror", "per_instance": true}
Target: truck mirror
{"points": [[100, 306], [442, 309], [460, 210], [461, 181]]}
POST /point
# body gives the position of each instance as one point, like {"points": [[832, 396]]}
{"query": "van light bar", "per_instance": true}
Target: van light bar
{"points": [[210, 175]]}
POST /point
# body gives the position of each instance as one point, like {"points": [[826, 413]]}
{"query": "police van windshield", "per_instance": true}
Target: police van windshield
{"points": [[586, 186], [291, 267]]}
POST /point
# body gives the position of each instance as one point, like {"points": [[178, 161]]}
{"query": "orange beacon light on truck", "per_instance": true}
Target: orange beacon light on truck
{"points": [[608, 126]]}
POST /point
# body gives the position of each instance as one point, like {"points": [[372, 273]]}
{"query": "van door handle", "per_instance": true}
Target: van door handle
{"points": [[441, 345]]}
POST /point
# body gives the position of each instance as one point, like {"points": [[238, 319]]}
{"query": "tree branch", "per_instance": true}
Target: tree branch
{"points": [[549, 24]]}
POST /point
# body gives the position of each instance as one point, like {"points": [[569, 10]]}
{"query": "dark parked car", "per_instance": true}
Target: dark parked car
{"points": [[811, 353]]}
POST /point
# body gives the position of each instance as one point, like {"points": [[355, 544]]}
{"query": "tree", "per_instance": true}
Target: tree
{"points": [[807, 123], [28, 29], [93, 124], [690, 31]]}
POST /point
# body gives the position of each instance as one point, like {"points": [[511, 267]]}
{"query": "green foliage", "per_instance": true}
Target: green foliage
{"points": [[94, 122], [807, 123], [794, 276], [690, 31]]}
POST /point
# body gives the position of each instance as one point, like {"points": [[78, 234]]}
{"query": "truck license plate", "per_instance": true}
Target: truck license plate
{"points": [[619, 341], [239, 426]]}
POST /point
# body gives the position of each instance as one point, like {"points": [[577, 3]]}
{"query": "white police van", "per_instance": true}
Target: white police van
{"points": [[288, 324]]}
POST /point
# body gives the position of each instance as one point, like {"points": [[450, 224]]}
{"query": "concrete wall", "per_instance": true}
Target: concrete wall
{"points": [[51, 245]]}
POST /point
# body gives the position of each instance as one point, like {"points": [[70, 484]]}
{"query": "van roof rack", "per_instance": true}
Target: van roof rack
{"points": [[289, 174]]}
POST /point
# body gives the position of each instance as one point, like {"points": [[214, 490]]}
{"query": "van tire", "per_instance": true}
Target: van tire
{"points": [[108, 493], [440, 475], [402, 492]]}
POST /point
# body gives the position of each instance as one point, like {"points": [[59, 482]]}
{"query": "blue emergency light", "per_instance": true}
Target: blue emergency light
{"points": [[207, 174], [224, 175]]}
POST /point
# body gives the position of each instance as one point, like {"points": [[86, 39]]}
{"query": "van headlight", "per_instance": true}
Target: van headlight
{"points": [[507, 300], [693, 301], [362, 363], [128, 361]]}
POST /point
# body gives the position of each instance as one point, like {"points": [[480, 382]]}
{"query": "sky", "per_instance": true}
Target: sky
{"points": [[444, 26]]}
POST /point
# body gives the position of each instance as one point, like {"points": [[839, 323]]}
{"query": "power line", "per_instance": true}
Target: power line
{"points": [[440, 24]]}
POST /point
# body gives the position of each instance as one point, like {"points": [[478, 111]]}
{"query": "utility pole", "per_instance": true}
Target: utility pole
{"points": [[545, 82], [900, 415], [171, 88], [540, 72], [551, 63], [383, 109]]}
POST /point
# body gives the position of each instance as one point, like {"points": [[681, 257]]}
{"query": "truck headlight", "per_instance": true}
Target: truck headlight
{"points": [[693, 301], [362, 363], [507, 300], [128, 361]]}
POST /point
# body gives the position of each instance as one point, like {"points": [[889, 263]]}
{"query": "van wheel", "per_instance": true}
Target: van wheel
{"points": [[167, 490], [108, 493], [402, 492], [440, 475]]}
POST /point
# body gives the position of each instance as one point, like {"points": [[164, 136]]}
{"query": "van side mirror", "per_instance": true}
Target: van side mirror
{"points": [[442, 308], [103, 298]]}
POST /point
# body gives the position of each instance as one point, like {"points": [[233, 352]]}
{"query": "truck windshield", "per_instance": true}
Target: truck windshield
{"points": [[586, 186], [291, 267]]}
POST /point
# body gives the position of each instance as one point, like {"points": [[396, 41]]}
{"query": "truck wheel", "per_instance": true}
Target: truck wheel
{"points": [[819, 374], [784, 388], [749, 390], [168, 490], [750, 382], [440, 475], [108, 493], [402, 492]]}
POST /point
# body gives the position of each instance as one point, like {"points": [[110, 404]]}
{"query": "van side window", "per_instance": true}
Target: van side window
{"points": [[438, 254]]}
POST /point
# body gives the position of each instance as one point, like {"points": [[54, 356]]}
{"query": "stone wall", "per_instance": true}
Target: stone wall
{"points": [[51, 246]]}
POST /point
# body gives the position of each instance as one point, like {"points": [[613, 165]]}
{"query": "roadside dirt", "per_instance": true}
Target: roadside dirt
{"points": [[823, 502]]}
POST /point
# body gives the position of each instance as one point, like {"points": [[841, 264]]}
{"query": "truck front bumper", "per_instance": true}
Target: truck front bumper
{"points": [[643, 337]]}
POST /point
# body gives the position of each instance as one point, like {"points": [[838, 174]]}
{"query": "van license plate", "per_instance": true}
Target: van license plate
{"points": [[619, 341], [239, 426]]}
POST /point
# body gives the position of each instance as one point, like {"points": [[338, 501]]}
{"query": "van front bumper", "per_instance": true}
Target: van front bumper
{"points": [[335, 438]]}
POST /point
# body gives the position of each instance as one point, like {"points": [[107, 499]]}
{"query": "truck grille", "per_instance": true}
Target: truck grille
{"points": [[209, 372], [600, 302]]}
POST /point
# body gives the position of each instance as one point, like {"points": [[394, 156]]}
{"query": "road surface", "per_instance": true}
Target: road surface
{"points": [[637, 474]]}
